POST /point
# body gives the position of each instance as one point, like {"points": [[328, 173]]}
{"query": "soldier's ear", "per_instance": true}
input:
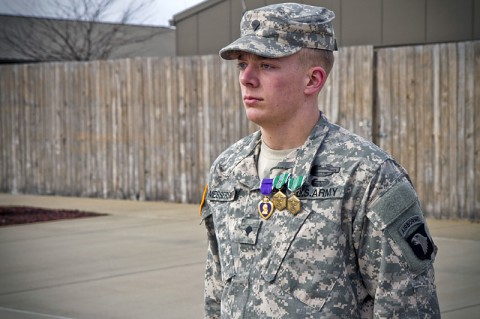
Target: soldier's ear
{"points": [[316, 79]]}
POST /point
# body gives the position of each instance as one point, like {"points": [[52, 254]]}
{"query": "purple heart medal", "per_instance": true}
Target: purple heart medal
{"points": [[266, 207]]}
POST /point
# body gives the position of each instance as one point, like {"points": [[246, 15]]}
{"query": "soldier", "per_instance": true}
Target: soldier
{"points": [[305, 219]]}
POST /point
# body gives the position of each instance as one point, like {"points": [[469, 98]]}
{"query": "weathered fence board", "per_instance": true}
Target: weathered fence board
{"points": [[149, 128], [427, 103], [346, 98]]}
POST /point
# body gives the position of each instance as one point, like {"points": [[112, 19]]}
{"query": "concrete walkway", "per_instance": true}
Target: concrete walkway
{"points": [[146, 260]]}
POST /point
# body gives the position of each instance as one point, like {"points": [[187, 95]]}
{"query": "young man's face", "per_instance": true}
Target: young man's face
{"points": [[272, 89]]}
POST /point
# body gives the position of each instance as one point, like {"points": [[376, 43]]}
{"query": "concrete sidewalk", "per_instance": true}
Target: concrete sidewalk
{"points": [[146, 260]]}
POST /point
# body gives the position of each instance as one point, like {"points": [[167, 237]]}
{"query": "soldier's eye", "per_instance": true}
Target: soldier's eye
{"points": [[241, 65]]}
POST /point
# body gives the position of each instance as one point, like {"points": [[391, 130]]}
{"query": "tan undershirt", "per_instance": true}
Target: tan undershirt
{"points": [[269, 158]]}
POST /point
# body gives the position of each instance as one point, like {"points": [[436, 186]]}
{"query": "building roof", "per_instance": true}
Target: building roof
{"points": [[212, 24], [136, 40]]}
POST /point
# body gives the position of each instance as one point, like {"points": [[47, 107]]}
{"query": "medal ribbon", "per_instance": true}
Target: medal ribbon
{"points": [[295, 182], [280, 180], [267, 186]]}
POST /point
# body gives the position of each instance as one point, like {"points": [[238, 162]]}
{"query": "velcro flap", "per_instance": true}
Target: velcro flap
{"points": [[392, 204]]}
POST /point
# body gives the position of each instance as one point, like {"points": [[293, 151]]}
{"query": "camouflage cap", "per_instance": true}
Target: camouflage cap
{"points": [[280, 30]]}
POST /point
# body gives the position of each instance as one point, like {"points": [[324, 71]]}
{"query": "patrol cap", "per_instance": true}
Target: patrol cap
{"points": [[281, 30]]}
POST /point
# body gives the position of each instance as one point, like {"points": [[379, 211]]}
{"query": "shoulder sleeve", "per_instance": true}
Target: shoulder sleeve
{"points": [[213, 274], [396, 251]]}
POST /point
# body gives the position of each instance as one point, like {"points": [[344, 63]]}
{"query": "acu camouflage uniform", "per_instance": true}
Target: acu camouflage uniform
{"points": [[359, 248]]}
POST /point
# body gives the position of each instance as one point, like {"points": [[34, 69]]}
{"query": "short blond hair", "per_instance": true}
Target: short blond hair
{"points": [[314, 57]]}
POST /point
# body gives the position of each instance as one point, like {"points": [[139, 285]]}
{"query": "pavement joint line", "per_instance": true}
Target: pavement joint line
{"points": [[33, 313], [98, 279], [461, 308], [77, 233], [456, 239]]}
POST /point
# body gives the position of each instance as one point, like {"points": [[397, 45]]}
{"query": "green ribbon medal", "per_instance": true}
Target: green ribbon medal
{"points": [[280, 180], [293, 203], [280, 199]]}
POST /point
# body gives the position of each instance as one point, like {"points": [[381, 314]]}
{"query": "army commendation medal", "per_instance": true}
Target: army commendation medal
{"points": [[280, 199], [266, 207], [293, 203]]}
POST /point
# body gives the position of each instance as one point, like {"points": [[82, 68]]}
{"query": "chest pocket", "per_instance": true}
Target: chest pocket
{"points": [[306, 259]]}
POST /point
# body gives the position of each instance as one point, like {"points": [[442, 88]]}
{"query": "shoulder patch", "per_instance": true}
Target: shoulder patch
{"points": [[421, 243], [411, 235], [399, 215]]}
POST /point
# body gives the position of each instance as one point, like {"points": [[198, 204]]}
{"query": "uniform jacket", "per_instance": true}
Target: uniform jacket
{"points": [[359, 247]]}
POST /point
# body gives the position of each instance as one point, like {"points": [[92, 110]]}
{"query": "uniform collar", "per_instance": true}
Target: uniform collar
{"points": [[307, 152], [243, 162]]}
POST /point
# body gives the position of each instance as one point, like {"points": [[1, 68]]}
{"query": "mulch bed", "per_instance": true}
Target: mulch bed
{"points": [[17, 215]]}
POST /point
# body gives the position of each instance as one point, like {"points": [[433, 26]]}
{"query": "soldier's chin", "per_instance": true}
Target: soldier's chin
{"points": [[256, 117]]}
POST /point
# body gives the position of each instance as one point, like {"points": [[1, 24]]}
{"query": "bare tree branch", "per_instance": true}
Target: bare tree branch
{"points": [[80, 36]]}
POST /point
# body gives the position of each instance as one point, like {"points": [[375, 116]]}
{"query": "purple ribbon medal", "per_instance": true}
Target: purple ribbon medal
{"points": [[266, 207]]}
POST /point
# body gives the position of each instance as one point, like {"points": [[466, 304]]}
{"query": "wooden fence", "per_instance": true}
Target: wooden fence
{"points": [[428, 116], [149, 128]]}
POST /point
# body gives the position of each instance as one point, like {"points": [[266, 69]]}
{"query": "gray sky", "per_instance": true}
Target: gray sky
{"points": [[158, 13]]}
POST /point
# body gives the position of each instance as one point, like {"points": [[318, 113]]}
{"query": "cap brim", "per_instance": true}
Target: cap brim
{"points": [[266, 47]]}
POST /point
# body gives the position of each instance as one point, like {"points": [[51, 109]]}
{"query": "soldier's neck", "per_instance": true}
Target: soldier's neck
{"points": [[289, 135]]}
